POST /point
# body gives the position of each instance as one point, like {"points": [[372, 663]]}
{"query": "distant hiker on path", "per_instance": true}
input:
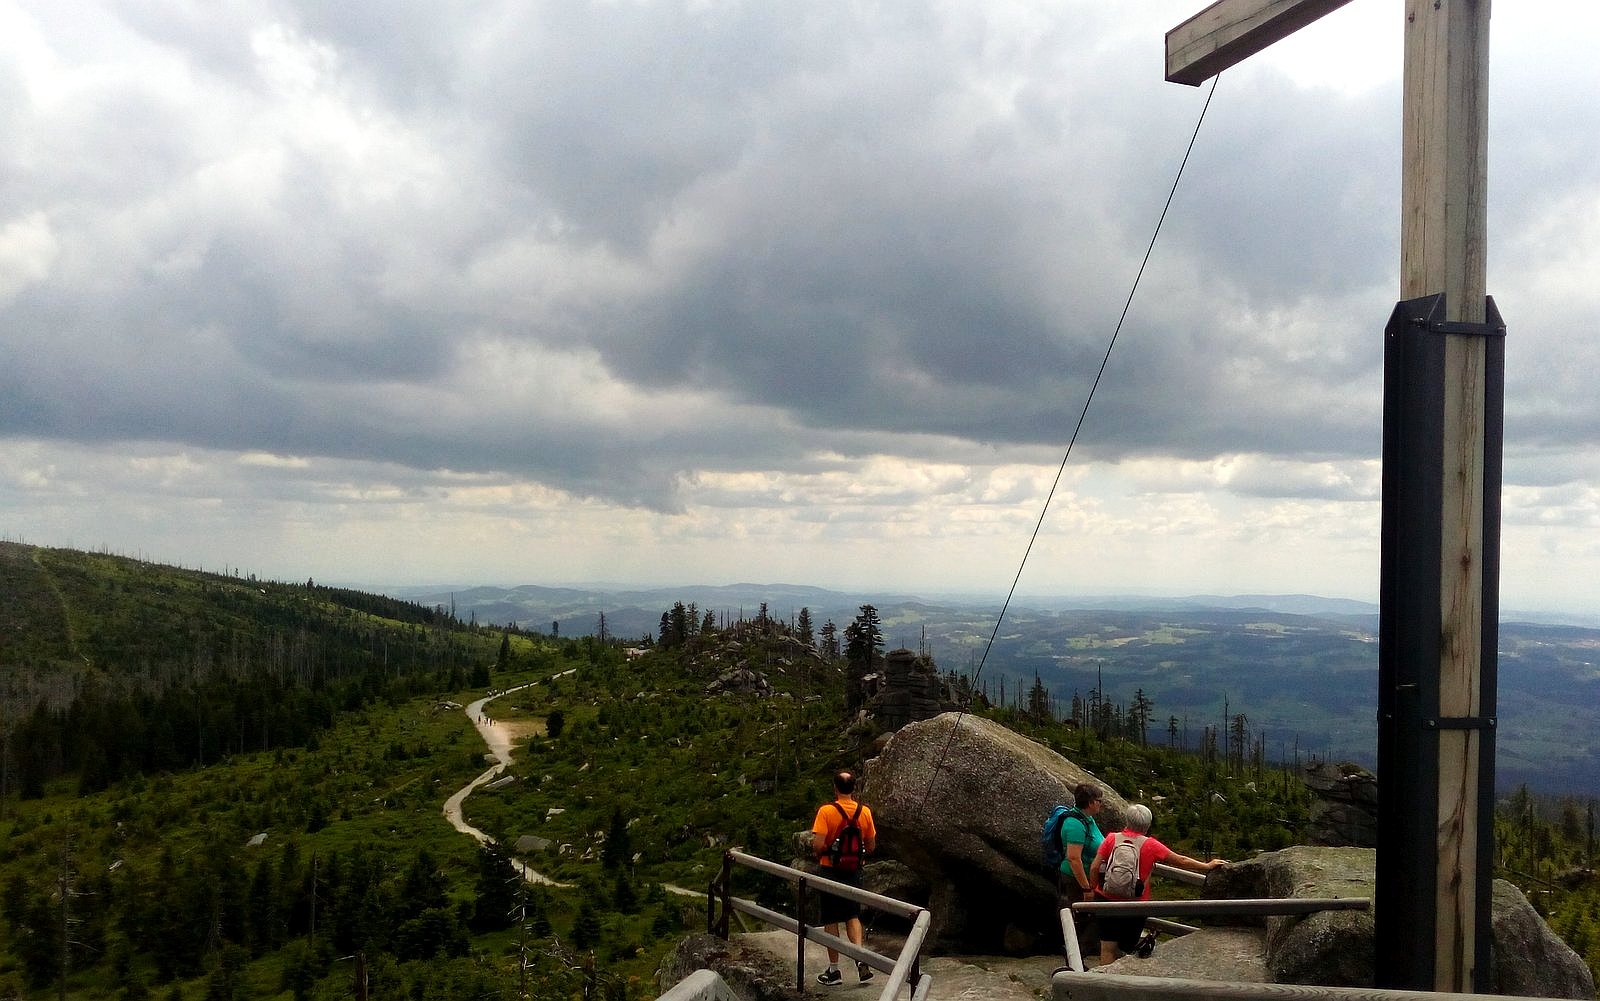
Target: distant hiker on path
{"points": [[1121, 871], [1079, 836], [842, 833]]}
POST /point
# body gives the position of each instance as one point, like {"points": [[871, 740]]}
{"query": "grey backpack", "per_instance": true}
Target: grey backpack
{"points": [[1119, 880]]}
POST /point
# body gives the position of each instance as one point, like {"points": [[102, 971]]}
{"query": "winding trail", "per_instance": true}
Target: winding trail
{"points": [[498, 737]]}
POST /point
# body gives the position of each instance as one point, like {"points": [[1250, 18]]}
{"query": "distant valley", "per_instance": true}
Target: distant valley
{"points": [[1303, 669]]}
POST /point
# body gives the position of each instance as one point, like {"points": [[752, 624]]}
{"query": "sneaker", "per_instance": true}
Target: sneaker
{"points": [[830, 978], [863, 973]]}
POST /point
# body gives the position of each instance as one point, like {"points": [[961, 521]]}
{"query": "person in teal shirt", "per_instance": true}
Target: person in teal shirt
{"points": [[1080, 842], [1081, 837]]}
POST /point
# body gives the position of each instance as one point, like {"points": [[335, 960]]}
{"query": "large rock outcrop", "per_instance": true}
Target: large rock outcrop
{"points": [[1331, 948], [960, 800], [751, 974], [1235, 955], [1346, 808], [1335, 948], [1529, 960], [909, 689]]}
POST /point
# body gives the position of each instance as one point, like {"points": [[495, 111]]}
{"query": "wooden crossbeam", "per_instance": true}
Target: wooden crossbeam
{"points": [[1230, 31]]}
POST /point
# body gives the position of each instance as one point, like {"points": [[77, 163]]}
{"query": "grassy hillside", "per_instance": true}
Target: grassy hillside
{"points": [[329, 722]]}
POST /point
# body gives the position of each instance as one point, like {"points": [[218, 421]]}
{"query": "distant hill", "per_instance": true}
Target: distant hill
{"points": [[1301, 668], [111, 665]]}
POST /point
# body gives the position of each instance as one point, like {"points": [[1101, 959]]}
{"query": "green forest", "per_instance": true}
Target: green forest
{"points": [[216, 787]]}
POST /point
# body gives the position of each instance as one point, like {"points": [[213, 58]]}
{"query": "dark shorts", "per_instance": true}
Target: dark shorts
{"points": [[1068, 892], [837, 909], [1123, 931]]}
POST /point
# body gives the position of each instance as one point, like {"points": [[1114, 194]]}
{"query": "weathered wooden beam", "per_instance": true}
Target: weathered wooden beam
{"points": [[1443, 243], [1229, 31]]}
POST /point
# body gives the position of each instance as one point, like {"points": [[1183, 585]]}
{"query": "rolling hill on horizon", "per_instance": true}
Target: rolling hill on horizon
{"points": [[1302, 668]]}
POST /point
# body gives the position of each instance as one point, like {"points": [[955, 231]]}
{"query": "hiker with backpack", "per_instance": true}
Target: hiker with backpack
{"points": [[1070, 839], [841, 836], [1121, 871]]}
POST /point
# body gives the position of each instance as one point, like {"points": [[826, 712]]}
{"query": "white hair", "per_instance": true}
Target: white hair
{"points": [[1139, 818]]}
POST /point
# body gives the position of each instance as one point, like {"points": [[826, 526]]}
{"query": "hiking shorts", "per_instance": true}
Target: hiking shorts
{"points": [[837, 909], [1124, 931]]}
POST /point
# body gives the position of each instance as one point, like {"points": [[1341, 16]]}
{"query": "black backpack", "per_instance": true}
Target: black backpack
{"points": [[845, 852]]}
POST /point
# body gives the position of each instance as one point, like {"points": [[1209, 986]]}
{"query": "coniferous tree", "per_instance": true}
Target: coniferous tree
{"points": [[830, 640], [537, 913], [624, 898], [1142, 705], [1238, 743], [803, 628], [863, 645], [36, 941], [266, 925], [497, 886], [618, 849], [422, 888], [585, 926], [1039, 700]]}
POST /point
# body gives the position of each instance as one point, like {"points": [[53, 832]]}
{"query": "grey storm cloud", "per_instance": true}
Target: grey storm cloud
{"points": [[834, 229]]}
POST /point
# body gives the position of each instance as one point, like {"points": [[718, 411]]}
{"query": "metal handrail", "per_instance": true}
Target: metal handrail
{"points": [[1271, 906], [1186, 876], [793, 875], [1150, 909], [901, 970], [1098, 987], [1170, 927]]}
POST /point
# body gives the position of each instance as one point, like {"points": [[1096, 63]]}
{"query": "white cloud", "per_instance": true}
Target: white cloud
{"points": [[719, 291], [28, 249]]}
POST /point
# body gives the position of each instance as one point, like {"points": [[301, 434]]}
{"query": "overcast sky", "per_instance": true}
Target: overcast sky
{"points": [[707, 292]]}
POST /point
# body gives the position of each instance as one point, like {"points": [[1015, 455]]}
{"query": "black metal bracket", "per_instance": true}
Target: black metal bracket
{"points": [[1460, 723], [1469, 329], [1429, 308]]}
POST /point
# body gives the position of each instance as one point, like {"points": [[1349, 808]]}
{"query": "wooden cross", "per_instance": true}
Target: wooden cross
{"points": [[1440, 501]]}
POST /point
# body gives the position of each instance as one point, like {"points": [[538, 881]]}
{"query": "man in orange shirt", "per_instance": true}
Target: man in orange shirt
{"points": [[840, 836]]}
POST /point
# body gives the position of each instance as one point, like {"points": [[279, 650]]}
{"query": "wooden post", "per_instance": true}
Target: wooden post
{"points": [[1443, 402], [1443, 240]]}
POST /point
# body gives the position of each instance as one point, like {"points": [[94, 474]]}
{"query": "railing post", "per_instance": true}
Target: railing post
{"points": [[711, 907], [727, 892], [1069, 940], [800, 916]]}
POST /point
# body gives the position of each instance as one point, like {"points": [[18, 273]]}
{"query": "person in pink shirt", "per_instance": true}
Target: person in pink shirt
{"points": [[1120, 934]]}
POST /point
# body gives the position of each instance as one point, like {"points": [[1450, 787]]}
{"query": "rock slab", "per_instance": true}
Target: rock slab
{"points": [[961, 800], [1335, 948]]}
